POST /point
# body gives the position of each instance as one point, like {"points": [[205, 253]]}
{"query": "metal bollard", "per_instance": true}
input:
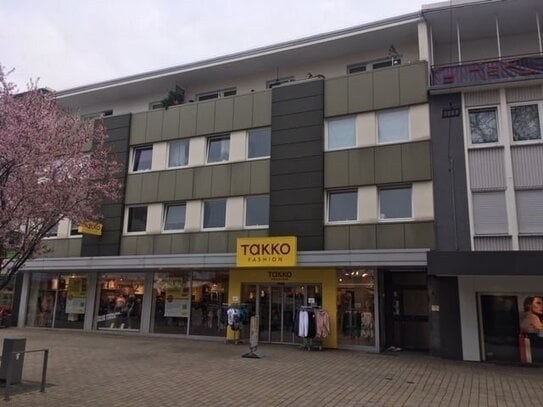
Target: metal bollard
{"points": [[44, 371], [9, 374]]}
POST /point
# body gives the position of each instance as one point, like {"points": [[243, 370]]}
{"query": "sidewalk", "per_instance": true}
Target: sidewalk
{"points": [[91, 369]]}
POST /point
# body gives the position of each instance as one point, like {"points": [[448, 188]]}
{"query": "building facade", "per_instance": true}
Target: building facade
{"points": [[399, 170]]}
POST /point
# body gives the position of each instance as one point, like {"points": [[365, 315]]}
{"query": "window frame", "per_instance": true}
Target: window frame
{"points": [[329, 193], [539, 105], [214, 228], [220, 93], [327, 133], [55, 236], [208, 144], [133, 158], [272, 83], [74, 235], [409, 135], [167, 206], [248, 137], [395, 220], [185, 140], [127, 220], [470, 143], [245, 206]]}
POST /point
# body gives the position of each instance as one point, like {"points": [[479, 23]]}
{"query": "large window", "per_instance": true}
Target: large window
{"points": [[171, 302], [178, 153], [525, 122], [142, 158], [257, 211], [341, 133], [214, 214], [137, 219], [395, 203], [218, 149], [259, 141], [174, 218], [483, 125], [393, 126], [342, 206], [209, 296]]}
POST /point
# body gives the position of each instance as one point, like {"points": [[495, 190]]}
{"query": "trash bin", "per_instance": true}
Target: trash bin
{"points": [[13, 345]]}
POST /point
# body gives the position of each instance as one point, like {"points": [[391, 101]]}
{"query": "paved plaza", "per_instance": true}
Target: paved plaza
{"points": [[91, 369]]}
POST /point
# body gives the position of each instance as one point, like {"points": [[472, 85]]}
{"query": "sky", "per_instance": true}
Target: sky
{"points": [[68, 43]]}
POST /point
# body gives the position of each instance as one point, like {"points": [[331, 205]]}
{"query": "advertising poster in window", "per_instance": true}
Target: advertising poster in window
{"points": [[513, 327], [76, 295], [177, 301]]}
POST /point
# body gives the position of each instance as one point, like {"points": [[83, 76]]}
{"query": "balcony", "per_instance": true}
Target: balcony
{"points": [[487, 71]]}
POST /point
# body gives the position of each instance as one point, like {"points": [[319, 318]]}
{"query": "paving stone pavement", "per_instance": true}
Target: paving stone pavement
{"points": [[92, 369]]}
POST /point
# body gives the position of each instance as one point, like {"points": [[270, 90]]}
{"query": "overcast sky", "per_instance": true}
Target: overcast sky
{"points": [[67, 43]]}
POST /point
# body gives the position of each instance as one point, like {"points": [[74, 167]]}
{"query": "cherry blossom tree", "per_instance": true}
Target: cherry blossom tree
{"points": [[53, 165]]}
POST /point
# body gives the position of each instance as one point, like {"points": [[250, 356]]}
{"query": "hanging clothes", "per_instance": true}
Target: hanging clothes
{"points": [[322, 320], [312, 325], [234, 320], [303, 323]]}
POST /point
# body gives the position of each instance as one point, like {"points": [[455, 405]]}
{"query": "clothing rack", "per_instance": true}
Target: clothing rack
{"points": [[235, 320], [308, 342]]}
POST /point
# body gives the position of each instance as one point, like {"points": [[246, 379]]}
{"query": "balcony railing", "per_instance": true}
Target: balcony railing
{"points": [[487, 71]]}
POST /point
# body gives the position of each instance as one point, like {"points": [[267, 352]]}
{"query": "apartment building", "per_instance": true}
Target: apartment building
{"points": [[372, 155]]}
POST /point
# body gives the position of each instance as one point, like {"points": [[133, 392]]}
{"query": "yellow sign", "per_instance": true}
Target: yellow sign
{"points": [[90, 228], [279, 251]]}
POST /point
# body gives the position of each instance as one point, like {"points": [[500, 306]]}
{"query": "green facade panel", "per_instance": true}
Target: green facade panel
{"points": [[218, 242], [220, 180], [243, 112], [166, 186], [240, 180], [260, 177], [162, 244], [388, 164], [416, 161], [170, 127], [154, 126], [336, 99], [362, 166], [187, 120], [420, 235], [224, 115], [413, 83], [180, 244], [362, 237], [133, 188], [202, 182], [129, 246], [360, 92], [336, 169], [262, 109], [199, 242], [184, 182], [149, 187], [336, 237], [231, 245], [144, 245], [386, 88], [138, 128], [205, 120], [390, 236]]}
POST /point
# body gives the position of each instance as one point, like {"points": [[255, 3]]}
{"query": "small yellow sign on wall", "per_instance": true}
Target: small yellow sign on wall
{"points": [[90, 228], [277, 251]]}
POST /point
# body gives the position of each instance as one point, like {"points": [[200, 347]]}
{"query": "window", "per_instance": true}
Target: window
{"points": [[393, 126], [143, 158], [137, 219], [395, 203], [178, 155], [257, 211], [215, 213], [525, 122], [74, 229], [368, 66], [342, 133], [218, 149], [216, 94], [156, 105], [53, 231], [175, 217], [259, 141], [483, 125], [279, 81], [356, 68], [386, 63], [342, 206]]}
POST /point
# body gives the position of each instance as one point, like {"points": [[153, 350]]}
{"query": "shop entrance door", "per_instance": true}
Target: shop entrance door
{"points": [[276, 305]]}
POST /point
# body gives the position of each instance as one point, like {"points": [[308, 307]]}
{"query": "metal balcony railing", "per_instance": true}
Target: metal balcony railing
{"points": [[487, 71]]}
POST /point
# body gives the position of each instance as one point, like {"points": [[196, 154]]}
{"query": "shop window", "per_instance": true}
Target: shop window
{"points": [[209, 296], [257, 211], [355, 307], [137, 219], [342, 206], [214, 214], [171, 299], [525, 122], [178, 153], [259, 143], [120, 301], [142, 158], [530, 211], [395, 203], [393, 126], [175, 217], [218, 149], [483, 125], [341, 133]]}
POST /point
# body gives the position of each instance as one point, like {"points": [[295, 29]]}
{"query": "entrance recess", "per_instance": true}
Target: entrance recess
{"points": [[276, 305]]}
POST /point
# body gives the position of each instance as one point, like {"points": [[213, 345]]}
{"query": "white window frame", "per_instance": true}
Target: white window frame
{"points": [[395, 220], [327, 211], [133, 158], [187, 140], [77, 236], [540, 111], [468, 128], [209, 139], [157, 104], [245, 213], [56, 235], [327, 133], [247, 138], [212, 229], [272, 83], [126, 219], [368, 65], [409, 135], [165, 215], [219, 92]]}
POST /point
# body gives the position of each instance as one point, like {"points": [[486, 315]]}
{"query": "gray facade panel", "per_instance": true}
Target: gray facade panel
{"points": [[243, 112], [336, 237], [302, 164], [240, 181], [224, 115], [297, 120], [296, 212], [299, 135], [390, 236], [166, 186], [419, 235], [362, 237], [205, 120], [386, 88], [162, 244], [154, 126], [360, 92], [299, 90], [416, 161], [184, 181], [296, 181], [362, 166], [180, 244], [296, 150], [199, 242], [262, 108], [170, 127], [388, 164], [187, 120], [138, 128], [303, 105], [220, 180], [336, 101], [218, 242], [260, 177], [299, 196], [149, 187], [413, 83], [202, 182]]}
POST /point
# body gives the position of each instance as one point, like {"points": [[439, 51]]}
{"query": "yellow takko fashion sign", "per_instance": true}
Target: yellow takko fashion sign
{"points": [[90, 228], [279, 251]]}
